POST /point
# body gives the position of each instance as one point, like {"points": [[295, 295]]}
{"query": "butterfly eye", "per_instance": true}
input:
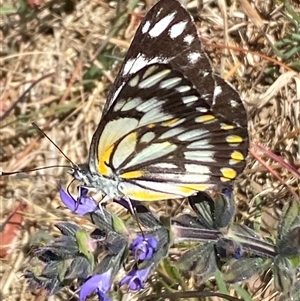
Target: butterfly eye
{"points": [[121, 186]]}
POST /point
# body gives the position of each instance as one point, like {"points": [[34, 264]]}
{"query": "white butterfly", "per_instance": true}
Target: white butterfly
{"points": [[170, 126]]}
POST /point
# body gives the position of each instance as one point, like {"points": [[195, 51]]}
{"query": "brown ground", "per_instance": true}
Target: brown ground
{"points": [[62, 38]]}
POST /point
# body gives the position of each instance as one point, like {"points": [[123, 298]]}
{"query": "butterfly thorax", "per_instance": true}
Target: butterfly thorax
{"points": [[95, 181]]}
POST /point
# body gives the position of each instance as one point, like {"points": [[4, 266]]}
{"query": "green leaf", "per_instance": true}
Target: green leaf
{"points": [[199, 261], [225, 210], [213, 213], [289, 218], [293, 295], [242, 229], [284, 274], [79, 268], [243, 269], [83, 241], [119, 225], [170, 274], [295, 261], [62, 269], [289, 245]]}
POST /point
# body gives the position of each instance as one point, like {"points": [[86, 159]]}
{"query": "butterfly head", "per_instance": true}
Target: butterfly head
{"points": [[95, 181], [81, 172]]}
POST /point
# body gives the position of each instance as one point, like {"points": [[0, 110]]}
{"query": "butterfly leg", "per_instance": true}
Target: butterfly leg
{"points": [[105, 199]]}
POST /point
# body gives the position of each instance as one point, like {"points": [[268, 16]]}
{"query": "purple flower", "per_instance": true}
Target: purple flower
{"points": [[100, 283], [143, 247], [136, 278], [82, 205]]}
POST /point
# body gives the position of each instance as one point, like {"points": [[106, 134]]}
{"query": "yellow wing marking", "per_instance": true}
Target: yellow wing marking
{"points": [[170, 122], [132, 174], [235, 155], [154, 79], [173, 191], [234, 139], [226, 127], [205, 118], [189, 189], [112, 132], [224, 179], [148, 196], [149, 71], [103, 168], [228, 173]]}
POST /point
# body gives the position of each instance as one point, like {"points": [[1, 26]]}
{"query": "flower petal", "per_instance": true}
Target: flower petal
{"points": [[89, 286], [83, 205], [99, 282], [136, 278], [144, 247]]}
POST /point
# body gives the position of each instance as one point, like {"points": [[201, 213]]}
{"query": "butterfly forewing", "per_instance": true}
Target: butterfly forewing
{"points": [[162, 140], [167, 35]]}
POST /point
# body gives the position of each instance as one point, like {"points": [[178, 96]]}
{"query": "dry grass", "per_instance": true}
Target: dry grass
{"points": [[62, 39]]}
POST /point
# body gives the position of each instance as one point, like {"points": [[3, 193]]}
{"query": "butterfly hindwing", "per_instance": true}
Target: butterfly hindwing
{"points": [[228, 104]]}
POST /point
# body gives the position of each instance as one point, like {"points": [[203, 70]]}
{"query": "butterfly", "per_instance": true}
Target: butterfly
{"points": [[170, 126]]}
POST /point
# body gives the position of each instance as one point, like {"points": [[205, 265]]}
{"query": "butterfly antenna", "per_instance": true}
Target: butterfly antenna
{"points": [[57, 147], [4, 173]]}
